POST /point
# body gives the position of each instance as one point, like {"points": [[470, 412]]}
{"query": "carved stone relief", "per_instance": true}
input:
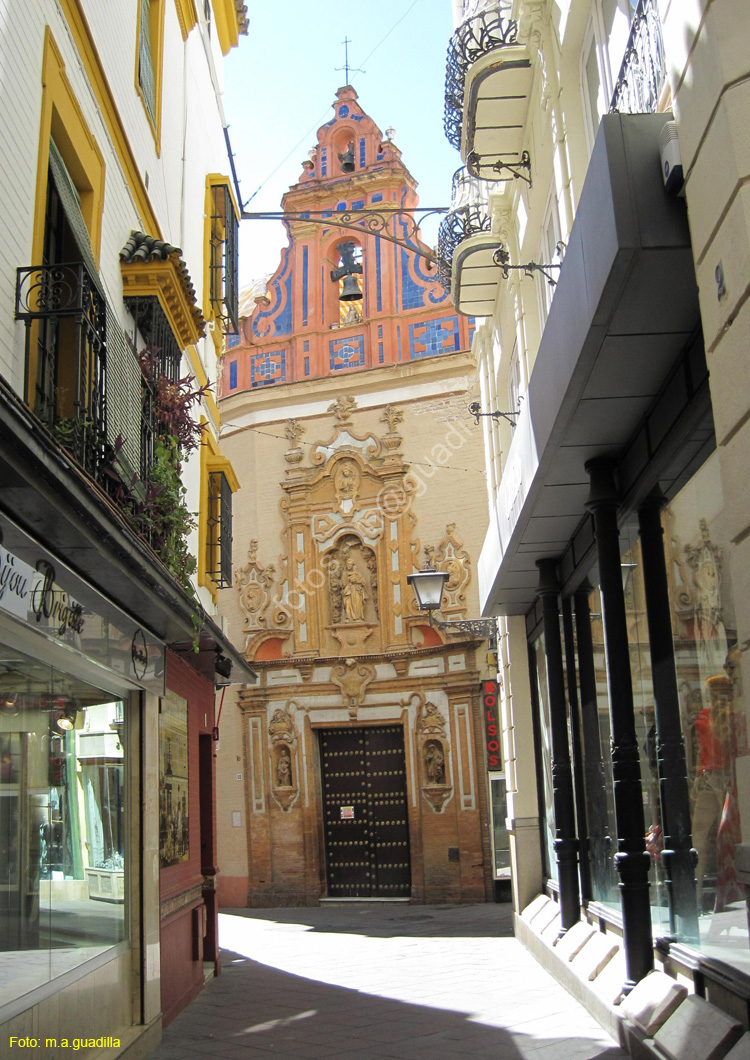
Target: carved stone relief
{"points": [[353, 581], [432, 744], [353, 677], [257, 595], [450, 556], [283, 751]]}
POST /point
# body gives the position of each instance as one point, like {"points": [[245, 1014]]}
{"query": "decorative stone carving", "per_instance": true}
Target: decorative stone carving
{"points": [[294, 431], [284, 772], [450, 556], [432, 741], [392, 440], [342, 409], [430, 722], [353, 593], [254, 584], [434, 762], [258, 595], [353, 677], [346, 481]]}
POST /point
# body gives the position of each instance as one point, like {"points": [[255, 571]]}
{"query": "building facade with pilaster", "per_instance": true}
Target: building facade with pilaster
{"points": [[118, 285], [609, 270]]}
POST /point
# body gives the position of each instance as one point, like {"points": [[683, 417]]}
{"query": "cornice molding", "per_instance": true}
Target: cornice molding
{"points": [[187, 16], [163, 280]]}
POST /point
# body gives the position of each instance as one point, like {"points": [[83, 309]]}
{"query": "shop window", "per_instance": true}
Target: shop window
{"points": [[500, 837], [713, 705], [219, 529], [223, 261], [544, 757], [63, 835]]}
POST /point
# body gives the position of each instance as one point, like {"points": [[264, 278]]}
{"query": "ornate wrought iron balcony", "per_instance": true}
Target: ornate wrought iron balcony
{"points": [[467, 217], [66, 355], [642, 73], [482, 33]]}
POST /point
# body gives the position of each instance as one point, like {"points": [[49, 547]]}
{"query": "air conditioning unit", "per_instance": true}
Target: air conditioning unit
{"points": [[671, 160]]}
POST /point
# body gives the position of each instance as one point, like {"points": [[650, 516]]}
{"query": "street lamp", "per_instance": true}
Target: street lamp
{"points": [[428, 585]]}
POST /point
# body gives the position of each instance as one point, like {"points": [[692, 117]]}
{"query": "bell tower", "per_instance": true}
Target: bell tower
{"points": [[346, 298]]}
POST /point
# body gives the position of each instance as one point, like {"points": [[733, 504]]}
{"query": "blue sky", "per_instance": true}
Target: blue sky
{"points": [[281, 81]]}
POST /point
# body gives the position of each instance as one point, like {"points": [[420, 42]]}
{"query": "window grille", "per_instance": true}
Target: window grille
{"points": [[224, 261], [219, 529]]}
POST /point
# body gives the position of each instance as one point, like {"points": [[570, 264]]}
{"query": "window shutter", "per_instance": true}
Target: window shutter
{"points": [[146, 78], [71, 204], [124, 384]]}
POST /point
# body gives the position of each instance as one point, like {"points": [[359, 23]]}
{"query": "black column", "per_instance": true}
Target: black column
{"points": [[575, 737], [631, 861], [599, 839], [566, 844], [678, 858]]}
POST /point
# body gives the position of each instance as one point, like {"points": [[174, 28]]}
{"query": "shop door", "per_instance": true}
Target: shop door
{"points": [[364, 812]]}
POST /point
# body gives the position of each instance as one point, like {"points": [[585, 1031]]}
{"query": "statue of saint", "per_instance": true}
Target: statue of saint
{"points": [[283, 769], [353, 594], [434, 761]]}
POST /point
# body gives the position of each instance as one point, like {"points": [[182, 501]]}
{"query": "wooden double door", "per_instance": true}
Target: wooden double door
{"points": [[365, 812]]}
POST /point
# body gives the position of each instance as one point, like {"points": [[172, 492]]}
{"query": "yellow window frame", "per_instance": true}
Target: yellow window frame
{"points": [[156, 37], [211, 460], [62, 120], [213, 180]]}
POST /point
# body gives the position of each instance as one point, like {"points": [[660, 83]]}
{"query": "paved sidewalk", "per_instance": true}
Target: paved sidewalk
{"points": [[381, 982]]}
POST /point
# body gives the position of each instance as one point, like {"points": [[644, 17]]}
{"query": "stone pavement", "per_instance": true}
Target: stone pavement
{"points": [[371, 981]]}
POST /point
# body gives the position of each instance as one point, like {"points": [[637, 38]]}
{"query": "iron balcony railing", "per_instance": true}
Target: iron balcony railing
{"points": [[642, 73], [66, 355], [475, 37], [467, 217], [83, 375]]}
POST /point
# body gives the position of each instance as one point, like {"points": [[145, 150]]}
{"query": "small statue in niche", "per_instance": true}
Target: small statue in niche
{"points": [[434, 762], [284, 769], [353, 593], [353, 315], [334, 572]]}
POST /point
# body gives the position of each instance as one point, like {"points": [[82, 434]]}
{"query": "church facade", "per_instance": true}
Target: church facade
{"points": [[356, 767]]}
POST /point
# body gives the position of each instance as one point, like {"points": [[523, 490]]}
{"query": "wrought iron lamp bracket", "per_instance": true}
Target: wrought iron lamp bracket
{"points": [[514, 168], [486, 628], [476, 411], [501, 257], [382, 223]]}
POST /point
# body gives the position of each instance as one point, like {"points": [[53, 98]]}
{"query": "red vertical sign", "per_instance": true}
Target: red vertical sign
{"points": [[491, 725]]}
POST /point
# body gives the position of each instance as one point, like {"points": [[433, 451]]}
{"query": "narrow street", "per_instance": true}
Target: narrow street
{"points": [[380, 981]]}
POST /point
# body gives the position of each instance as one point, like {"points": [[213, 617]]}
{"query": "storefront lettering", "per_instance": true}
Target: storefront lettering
{"points": [[50, 602], [12, 581], [491, 727]]}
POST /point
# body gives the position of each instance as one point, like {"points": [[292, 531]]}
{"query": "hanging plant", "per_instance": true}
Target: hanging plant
{"points": [[160, 514]]}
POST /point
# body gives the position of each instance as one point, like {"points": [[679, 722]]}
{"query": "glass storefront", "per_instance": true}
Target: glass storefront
{"points": [[500, 837], [545, 735], [63, 822], [713, 709], [713, 721]]}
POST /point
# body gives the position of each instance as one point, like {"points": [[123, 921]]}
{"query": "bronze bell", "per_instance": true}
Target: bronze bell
{"points": [[347, 159], [350, 291]]}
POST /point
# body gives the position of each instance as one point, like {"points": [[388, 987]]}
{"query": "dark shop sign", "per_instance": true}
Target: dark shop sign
{"points": [[40, 591], [491, 725]]}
